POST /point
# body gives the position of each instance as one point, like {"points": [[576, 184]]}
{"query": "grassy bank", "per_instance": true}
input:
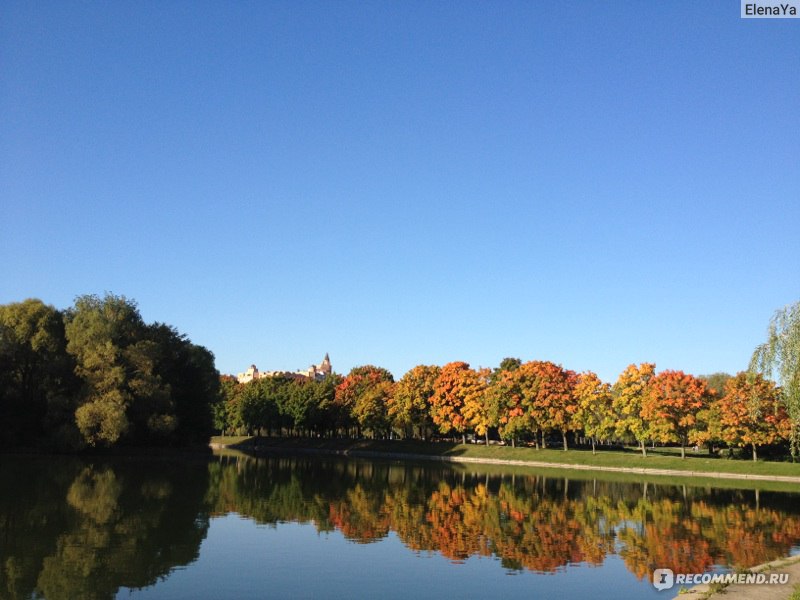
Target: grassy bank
{"points": [[660, 458]]}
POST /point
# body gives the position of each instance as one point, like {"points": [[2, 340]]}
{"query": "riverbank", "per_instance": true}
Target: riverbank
{"points": [[657, 463], [743, 591]]}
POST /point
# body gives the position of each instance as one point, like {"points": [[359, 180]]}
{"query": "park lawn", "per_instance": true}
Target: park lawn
{"points": [[660, 458]]}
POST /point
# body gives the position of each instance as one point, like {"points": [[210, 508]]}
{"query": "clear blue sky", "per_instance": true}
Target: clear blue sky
{"points": [[397, 183]]}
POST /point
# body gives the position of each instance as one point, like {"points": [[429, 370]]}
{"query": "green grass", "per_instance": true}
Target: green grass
{"points": [[660, 458], [796, 593]]}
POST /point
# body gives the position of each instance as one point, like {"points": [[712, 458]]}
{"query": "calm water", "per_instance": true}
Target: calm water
{"points": [[238, 527]]}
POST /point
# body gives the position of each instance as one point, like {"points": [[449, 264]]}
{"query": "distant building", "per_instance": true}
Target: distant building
{"points": [[315, 372]]}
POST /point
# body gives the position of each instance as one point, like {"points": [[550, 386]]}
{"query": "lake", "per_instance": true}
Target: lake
{"points": [[234, 526]]}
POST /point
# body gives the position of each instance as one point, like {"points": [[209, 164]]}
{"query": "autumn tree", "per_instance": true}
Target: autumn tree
{"points": [[505, 387], [409, 407], [363, 393], [671, 405], [594, 414], [751, 413], [628, 394], [454, 384], [779, 357], [480, 402], [547, 398]]}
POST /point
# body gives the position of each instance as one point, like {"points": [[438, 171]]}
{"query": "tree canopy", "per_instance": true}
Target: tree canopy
{"points": [[97, 375]]}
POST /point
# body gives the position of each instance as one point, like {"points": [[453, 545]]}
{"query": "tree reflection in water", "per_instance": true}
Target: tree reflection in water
{"points": [[532, 522], [72, 528], [77, 529]]}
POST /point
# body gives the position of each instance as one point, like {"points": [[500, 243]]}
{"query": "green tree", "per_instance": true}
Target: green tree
{"points": [[193, 381], [140, 383], [99, 331], [779, 357], [36, 375]]}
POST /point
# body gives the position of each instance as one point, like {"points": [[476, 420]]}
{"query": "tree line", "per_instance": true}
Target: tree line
{"points": [[532, 401], [96, 374]]}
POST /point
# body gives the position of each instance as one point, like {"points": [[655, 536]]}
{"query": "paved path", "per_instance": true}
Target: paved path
{"points": [[753, 592]]}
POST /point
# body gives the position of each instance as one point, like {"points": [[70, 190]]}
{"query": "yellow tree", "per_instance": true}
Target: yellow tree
{"points": [[409, 407], [628, 394], [594, 413], [480, 408]]}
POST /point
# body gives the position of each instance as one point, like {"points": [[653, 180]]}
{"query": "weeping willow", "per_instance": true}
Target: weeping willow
{"points": [[779, 358]]}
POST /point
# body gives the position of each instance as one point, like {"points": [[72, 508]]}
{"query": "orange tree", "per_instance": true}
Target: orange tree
{"points": [[549, 394], [671, 405], [454, 384], [751, 413]]}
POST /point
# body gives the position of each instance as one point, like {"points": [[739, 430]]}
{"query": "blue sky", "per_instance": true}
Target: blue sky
{"points": [[402, 183]]}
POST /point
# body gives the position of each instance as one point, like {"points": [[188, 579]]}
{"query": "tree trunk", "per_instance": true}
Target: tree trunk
{"points": [[513, 442], [683, 450], [644, 448], [486, 437], [593, 450], [463, 438], [564, 436], [755, 454], [544, 442]]}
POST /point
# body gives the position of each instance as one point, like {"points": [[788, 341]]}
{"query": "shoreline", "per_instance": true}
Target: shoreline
{"points": [[739, 591], [256, 449]]}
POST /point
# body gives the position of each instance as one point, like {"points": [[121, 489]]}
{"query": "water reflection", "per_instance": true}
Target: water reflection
{"points": [[72, 528], [532, 522], [75, 529]]}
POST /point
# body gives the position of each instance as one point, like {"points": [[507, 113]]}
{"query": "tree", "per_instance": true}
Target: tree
{"points": [[480, 406], [751, 413], [515, 416], [192, 378], [410, 404], [363, 397], [447, 402], [594, 413], [371, 408], [671, 405], [716, 382], [140, 383], [99, 331], [779, 357], [554, 398], [224, 409], [628, 394], [36, 375]]}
